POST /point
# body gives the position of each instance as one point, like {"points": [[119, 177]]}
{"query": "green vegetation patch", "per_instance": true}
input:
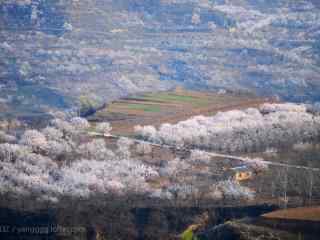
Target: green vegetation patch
{"points": [[170, 97], [143, 107]]}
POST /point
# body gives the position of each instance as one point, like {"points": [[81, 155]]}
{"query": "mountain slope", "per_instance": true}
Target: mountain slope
{"points": [[103, 49]]}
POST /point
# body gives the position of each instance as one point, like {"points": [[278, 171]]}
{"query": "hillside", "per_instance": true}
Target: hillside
{"points": [[106, 49], [131, 119]]}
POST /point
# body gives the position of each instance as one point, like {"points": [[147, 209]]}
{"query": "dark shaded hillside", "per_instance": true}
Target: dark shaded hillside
{"points": [[127, 223]]}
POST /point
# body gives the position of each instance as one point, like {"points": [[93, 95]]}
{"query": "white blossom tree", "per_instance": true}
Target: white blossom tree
{"points": [[103, 127], [200, 156], [124, 145], [63, 125], [10, 152], [232, 189], [80, 123], [146, 132], [143, 148], [7, 138], [52, 133], [282, 107], [34, 139], [96, 149], [273, 125]]}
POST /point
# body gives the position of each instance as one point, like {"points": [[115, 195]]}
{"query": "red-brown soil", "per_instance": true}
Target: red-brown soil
{"points": [[302, 213]]}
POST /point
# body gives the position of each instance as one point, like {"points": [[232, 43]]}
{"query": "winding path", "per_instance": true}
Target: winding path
{"points": [[213, 154]]}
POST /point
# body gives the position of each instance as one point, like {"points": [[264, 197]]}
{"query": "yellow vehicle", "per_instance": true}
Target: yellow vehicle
{"points": [[189, 234], [243, 175]]}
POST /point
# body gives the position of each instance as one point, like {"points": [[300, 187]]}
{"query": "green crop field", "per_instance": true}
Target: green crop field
{"points": [[181, 98], [144, 107]]}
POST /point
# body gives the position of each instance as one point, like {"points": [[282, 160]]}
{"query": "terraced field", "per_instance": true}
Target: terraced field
{"points": [[170, 107]]}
